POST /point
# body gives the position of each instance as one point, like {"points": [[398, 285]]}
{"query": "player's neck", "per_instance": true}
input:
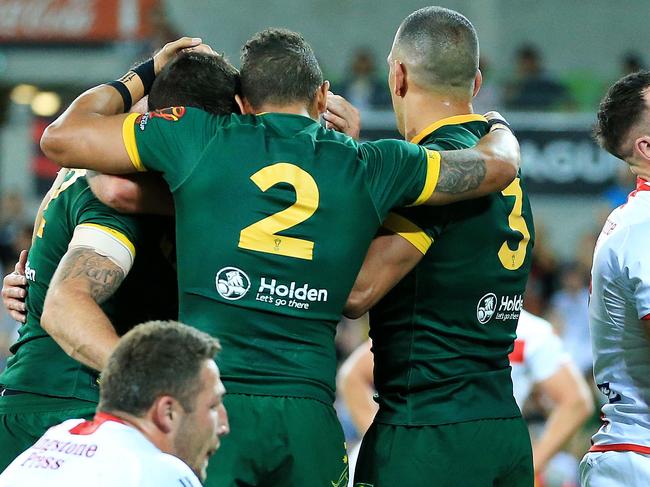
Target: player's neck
{"points": [[422, 109], [294, 109], [149, 430]]}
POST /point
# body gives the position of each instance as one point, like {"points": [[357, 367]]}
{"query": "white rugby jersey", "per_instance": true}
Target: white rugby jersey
{"points": [[620, 301], [538, 353], [100, 453]]}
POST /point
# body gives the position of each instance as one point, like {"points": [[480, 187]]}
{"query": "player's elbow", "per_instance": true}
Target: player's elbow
{"points": [[578, 400], [358, 304], [119, 193], [505, 174], [583, 403], [56, 144]]}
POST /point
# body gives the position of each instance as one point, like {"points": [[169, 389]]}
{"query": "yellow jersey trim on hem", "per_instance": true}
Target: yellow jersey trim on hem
{"points": [[113, 233], [455, 120], [433, 173], [128, 136], [408, 230]]}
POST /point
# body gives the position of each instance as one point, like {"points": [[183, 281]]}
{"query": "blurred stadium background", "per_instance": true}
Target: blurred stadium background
{"points": [[545, 66]]}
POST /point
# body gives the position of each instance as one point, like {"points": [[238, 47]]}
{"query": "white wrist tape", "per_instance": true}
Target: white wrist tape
{"points": [[106, 242]]}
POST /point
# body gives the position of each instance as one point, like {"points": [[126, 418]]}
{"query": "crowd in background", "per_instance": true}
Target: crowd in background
{"points": [[528, 87]]}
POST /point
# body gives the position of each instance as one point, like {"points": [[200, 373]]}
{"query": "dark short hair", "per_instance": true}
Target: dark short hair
{"points": [[154, 359], [279, 66], [442, 45], [621, 109], [199, 80]]}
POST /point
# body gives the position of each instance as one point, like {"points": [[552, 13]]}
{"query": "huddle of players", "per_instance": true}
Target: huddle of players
{"points": [[443, 377]]}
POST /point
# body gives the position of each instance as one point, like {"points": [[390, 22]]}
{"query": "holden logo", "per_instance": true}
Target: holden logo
{"points": [[486, 307], [232, 283]]}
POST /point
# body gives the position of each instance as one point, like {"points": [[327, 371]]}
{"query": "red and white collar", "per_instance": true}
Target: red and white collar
{"points": [[641, 185], [89, 427]]}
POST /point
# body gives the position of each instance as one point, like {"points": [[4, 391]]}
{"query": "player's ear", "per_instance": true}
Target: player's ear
{"points": [[240, 104], [642, 148], [244, 105], [400, 84], [321, 97], [478, 81], [164, 413]]}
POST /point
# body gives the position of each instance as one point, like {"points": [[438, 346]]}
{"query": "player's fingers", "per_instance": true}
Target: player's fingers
{"points": [[204, 48], [14, 305], [20, 317], [182, 43], [336, 122], [14, 280], [22, 261], [14, 292], [494, 115]]}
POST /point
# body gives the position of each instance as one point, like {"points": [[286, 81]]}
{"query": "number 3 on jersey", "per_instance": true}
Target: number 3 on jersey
{"points": [[262, 236], [514, 259]]}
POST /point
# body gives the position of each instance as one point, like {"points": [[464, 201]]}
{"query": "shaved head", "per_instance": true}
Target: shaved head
{"points": [[439, 48]]}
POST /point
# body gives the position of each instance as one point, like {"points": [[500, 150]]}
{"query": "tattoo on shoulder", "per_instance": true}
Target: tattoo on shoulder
{"points": [[459, 174], [102, 275]]}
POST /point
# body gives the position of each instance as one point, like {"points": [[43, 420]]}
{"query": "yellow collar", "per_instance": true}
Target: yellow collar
{"points": [[455, 120]]}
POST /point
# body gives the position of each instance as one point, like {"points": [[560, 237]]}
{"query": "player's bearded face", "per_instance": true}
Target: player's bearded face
{"points": [[197, 437]]}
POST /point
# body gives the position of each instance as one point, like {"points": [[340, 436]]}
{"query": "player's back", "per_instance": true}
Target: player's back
{"points": [[70, 206], [441, 337], [618, 308], [105, 452], [274, 217]]}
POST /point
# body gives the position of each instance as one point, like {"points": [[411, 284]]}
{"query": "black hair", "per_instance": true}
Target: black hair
{"points": [[199, 80], [443, 46], [621, 109], [278, 66]]}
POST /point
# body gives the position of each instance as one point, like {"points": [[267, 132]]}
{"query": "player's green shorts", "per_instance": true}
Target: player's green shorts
{"points": [[24, 418], [485, 453], [279, 442]]}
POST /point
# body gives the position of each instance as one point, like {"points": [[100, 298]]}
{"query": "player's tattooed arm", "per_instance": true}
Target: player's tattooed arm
{"points": [[489, 166], [71, 313], [88, 271], [459, 174]]}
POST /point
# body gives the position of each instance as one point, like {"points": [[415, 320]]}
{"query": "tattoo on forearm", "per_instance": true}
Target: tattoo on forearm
{"points": [[458, 174], [100, 273], [127, 77]]}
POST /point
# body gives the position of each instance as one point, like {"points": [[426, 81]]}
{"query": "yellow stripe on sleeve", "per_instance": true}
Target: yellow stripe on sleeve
{"points": [[115, 234], [433, 172], [128, 136], [408, 230]]}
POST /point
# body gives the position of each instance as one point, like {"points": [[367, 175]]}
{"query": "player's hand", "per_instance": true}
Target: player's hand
{"points": [[169, 50], [13, 290], [342, 116], [499, 145], [496, 121]]}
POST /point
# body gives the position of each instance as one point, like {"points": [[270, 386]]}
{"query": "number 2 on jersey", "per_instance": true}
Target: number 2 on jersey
{"points": [[262, 236], [514, 259]]}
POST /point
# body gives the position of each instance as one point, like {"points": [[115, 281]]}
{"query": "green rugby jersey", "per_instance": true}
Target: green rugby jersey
{"points": [[39, 365], [441, 337], [274, 216]]}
